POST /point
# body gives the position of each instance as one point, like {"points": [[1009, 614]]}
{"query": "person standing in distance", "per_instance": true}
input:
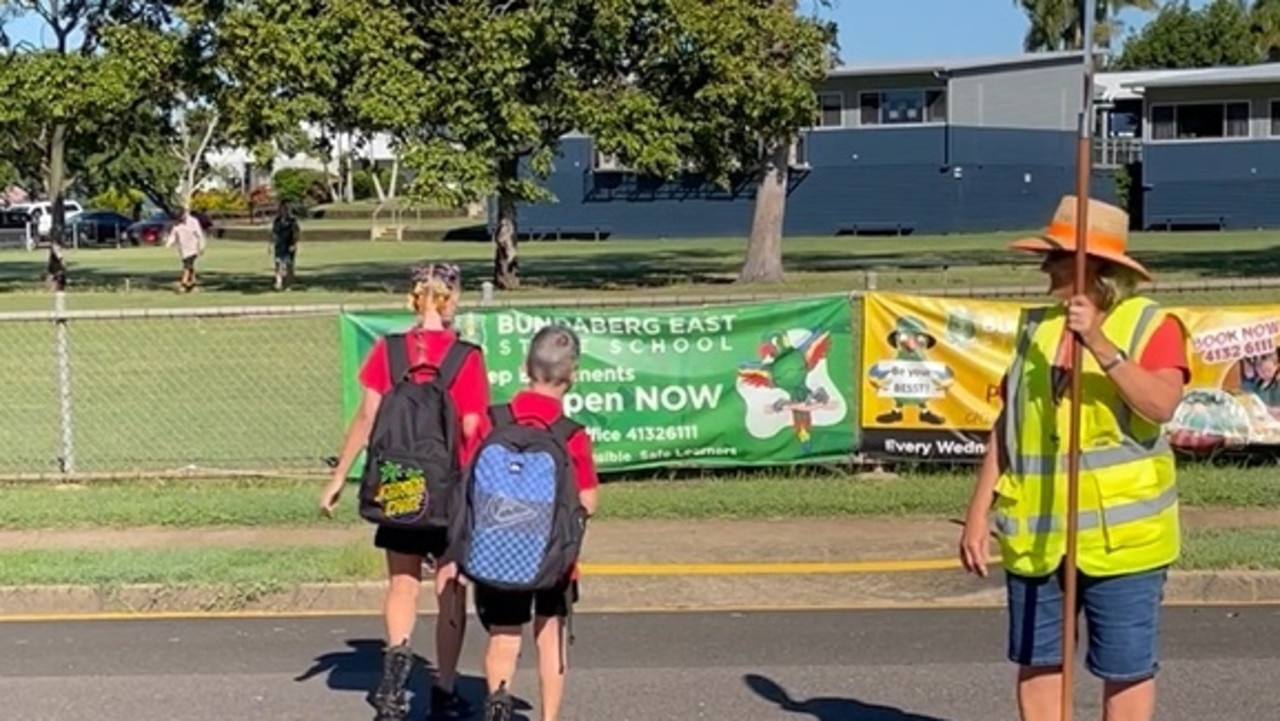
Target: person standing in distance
{"points": [[434, 298]]}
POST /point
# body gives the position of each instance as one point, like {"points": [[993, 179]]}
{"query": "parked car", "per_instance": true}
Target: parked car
{"points": [[41, 213], [153, 230], [100, 226]]}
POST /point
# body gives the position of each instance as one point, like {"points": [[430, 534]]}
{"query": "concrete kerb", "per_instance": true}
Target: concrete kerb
{"points": [[604, 594]]}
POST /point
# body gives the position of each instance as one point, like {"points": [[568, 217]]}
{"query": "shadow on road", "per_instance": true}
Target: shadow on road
{"points": [[828, 708], [360, 667]]}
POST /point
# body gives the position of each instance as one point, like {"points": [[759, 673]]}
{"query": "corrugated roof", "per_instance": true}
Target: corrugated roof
{"points": [[952, 64], [1245, 75]]}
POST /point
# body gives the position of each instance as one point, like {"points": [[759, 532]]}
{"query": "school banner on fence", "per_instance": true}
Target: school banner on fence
{"points": [[931, 369], [734, 385]]}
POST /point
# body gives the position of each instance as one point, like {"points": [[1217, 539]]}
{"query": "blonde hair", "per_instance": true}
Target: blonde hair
{"points": [[1112, 283], [432, 294]]}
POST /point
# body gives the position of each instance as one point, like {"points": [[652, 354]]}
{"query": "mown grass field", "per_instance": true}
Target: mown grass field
{"points": [[285, 505], [166, 394]]}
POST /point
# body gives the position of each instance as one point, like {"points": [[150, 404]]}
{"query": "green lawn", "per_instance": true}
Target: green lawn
{"points": [[255, 570], [285, 503], [167, 394]]}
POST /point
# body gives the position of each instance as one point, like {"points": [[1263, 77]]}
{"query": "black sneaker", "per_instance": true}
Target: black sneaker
{"points": [[499, 706], [448, 705], [390, 699]]}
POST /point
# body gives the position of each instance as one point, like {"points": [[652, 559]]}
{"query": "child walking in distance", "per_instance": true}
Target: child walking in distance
{"points": [[284, 245], [517, 536], [436, 289], [188, 234]]}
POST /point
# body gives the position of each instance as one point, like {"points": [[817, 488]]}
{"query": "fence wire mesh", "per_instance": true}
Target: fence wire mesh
{"points": [[222, 391], [238, 392]]}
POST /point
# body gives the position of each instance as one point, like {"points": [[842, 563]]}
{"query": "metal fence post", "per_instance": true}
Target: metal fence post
{"points": [[486, 293], [62, 350]]}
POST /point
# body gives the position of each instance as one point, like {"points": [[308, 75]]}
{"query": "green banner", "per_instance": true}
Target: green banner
{"points": [[734, 385]]}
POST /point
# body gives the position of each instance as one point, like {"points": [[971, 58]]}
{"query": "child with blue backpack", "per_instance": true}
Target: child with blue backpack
{"points": [[520, 521]]}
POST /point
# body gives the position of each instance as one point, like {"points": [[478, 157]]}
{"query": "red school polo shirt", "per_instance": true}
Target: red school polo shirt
{"points": [[470, 390], [530, 408]]}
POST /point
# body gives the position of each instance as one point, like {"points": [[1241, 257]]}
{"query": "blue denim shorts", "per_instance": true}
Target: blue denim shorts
{"points": [[1122, 616]]}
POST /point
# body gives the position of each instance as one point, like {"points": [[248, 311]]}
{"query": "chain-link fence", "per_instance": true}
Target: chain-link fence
{"points": [[226, 391]]}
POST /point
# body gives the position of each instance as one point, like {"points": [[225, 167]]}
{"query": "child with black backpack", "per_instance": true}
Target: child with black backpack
{"points": [[520, 519], [426, 394]]}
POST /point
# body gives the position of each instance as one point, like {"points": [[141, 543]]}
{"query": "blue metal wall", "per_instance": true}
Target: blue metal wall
{"points": [[927, 180], [1236, 183]]}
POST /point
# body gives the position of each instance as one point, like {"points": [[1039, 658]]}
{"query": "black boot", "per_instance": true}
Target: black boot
{"points": [[390, 699], [499, 706]]}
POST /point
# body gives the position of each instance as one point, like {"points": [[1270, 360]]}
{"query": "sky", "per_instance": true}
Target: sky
{"points": [[896, 30], [880, 30]]}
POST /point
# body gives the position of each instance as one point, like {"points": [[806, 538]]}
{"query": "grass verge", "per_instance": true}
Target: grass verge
{"points": [[259, 569], [194, 504]]}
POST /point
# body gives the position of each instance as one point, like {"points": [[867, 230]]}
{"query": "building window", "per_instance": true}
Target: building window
{"points": [[903, 107], [1275, 118], [1198, 121], [830, 110]]}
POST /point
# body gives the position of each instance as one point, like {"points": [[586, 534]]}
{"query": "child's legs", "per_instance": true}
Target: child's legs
{"points": [[503, 614], [400, 608], [451, 628], [552, 608]]}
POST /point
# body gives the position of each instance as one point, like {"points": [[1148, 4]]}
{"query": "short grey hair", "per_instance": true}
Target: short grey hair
{"points": [[553, 355]]}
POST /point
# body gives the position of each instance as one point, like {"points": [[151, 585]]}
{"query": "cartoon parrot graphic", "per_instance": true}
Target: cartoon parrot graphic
{"points": [[786, 366]]}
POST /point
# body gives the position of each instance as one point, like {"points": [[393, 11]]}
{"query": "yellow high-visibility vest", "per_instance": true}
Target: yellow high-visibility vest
{"points": [[1128, 519]]}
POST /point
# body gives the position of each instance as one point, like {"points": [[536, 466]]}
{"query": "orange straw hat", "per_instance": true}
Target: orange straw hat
{"points": [[1106, 237]]}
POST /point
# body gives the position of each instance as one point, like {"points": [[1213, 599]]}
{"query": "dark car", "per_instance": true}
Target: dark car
{"points": [[100, 226], [153, 230]]}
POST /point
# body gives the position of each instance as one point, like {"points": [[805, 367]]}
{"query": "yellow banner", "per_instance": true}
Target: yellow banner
{"points": [[931, 369]]}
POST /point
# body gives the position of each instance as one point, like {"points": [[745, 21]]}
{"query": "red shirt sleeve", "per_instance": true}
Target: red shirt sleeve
{"points": [[470, 393], [374, 374], [1167, 349], [584, 464]]}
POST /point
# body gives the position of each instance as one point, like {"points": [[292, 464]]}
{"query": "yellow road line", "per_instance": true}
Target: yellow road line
{"points": [[789, 568]]}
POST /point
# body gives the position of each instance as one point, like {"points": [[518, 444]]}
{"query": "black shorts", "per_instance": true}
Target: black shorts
{"points": [[189, 262], [516, 608], [412, 542]]}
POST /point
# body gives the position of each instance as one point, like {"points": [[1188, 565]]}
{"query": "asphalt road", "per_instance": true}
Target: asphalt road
{"points": [[830, 666]]}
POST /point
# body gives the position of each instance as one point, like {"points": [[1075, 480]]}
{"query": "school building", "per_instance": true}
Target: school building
{"points": [[912, 148], [1210, 155]]}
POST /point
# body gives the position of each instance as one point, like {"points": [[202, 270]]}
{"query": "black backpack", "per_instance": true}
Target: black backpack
{"points": [[519, 523], [411, 460]]}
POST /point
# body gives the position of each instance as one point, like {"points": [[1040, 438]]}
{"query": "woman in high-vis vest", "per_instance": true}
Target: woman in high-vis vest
{"points": [[1133, 374]]}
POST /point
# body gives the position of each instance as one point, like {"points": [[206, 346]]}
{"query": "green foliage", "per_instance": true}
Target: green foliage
{"points": [[1059, 24], [219, 201], [1221, 33], [718, 83], [300, 185], [122, 201]]}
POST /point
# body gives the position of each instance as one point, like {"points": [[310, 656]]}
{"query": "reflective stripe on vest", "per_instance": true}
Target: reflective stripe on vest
{"points": [[1127, 513]]}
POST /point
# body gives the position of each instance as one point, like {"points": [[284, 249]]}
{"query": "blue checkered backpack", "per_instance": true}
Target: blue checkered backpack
{"points": [[518, 524]]}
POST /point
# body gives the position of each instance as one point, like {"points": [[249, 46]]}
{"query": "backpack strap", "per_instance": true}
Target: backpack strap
{"points": [[453, 360], [397, 357], [564, 428], [502, 415]]}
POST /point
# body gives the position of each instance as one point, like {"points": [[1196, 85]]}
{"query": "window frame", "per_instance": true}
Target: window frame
{"points": [[1149, 132], [844, 120], [927, 122]]}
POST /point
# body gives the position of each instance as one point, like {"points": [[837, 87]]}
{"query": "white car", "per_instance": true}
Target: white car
{"points": [[42, 213]]}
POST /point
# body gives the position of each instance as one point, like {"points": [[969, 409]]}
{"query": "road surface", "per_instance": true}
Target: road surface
{"points": [[925, 665]]}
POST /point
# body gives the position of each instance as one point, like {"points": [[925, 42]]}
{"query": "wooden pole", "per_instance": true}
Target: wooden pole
{"points": [[1084, 163]]}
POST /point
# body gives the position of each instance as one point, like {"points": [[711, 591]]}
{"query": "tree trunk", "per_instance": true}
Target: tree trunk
{"points": [[57, 180], [506, 264], [764, 247]]}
